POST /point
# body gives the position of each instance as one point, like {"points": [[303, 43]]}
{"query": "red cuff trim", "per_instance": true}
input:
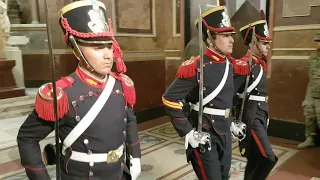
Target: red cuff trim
{"points": [[134, 143], [34, 169], [180, 119]]}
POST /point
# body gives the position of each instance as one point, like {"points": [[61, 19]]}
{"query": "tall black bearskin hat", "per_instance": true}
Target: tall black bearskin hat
{"points": [[87, 21], [216, 20], [261, 30]]}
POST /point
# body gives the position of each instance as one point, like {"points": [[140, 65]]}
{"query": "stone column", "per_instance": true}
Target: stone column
{"points": [[8, 86], [1, 45], [34, 11]]}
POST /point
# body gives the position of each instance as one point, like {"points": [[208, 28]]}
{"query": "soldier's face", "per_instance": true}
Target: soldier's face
{"points": [[224, 42], [100, 57], [318, 45], [264, 47]]}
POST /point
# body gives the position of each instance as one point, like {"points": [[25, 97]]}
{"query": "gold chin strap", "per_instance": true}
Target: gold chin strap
{"points": [[257, 45], [78, 52], [255, 42]]}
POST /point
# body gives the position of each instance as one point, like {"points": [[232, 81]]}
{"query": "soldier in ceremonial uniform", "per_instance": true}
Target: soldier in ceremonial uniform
{"points": [[256, 146], [311, 103], [99, 100], [212, 163]]}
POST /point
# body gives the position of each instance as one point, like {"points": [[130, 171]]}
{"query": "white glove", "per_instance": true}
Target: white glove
{"points": [[135, 169], [193, 138]]}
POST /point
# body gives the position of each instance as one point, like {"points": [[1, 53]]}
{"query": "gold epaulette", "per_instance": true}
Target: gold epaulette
{"points": [[128, 88], [188, 68], [44, 105]]}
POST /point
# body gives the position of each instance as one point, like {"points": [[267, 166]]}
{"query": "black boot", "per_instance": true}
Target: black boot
{"points": [[250, 167], [263, 169]]}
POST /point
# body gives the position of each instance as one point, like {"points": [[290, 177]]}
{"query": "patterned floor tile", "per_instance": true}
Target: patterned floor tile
{"points": [[163, 157], [166, 131], [146, 141]]}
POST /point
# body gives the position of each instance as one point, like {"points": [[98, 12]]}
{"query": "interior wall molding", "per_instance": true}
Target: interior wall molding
{"points": [[134, 32], [290, 57], [173, 58], [298, 8], [176, 8], [293, 49], [297, 27], [28, 27]]}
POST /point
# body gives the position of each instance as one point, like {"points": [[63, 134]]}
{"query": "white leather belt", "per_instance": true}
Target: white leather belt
{"points": [[110, 157], [218, 112], [256, 98]]}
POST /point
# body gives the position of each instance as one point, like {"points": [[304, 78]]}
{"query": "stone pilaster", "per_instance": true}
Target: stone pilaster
{"points": [[34, 11]]}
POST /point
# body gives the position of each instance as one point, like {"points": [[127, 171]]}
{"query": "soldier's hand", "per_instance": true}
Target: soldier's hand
{"points": [[194, 138], [135, 168]]}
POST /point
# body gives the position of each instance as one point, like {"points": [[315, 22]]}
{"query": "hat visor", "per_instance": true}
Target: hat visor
{"points": [[224, 30], [261, 40], [227, 32], [98, 40]]}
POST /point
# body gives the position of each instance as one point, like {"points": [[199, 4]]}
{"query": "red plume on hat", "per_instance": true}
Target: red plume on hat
{"points": [[117, 53], [222, 2]]}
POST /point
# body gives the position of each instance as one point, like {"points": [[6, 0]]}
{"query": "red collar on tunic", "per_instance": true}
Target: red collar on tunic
{"points": [[256, 59], [89, 78]]}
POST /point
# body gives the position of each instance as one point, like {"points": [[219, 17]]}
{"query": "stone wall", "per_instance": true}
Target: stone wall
{"points": [[151, 38]]}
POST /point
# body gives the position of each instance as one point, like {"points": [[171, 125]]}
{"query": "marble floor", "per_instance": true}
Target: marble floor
{"points": [[163, 155]]}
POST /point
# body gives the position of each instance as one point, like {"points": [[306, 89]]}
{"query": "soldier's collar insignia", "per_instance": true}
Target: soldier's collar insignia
{"points": [[92, 82], [88, 78], [214, 55], [216, 58]]}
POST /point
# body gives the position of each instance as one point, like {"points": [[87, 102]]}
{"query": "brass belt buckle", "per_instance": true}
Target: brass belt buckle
{"points": [[227, 113], [112, 157]]}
